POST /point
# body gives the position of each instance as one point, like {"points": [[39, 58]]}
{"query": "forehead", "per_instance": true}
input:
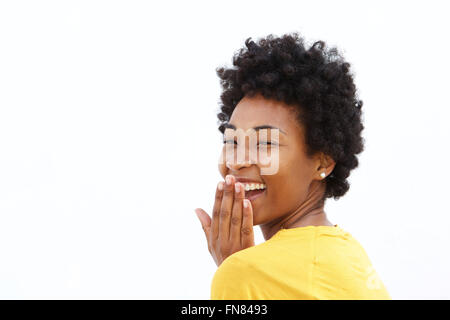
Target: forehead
{"points": [[255, 111]]}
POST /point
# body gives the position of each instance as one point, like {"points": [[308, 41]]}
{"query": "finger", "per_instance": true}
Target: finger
{"points": [[205, 221], [216, 211], [247, 236], [236, 215], [225, 209]]}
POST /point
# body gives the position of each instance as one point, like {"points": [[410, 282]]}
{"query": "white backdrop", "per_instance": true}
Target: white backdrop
{"points": [[109, 140]]}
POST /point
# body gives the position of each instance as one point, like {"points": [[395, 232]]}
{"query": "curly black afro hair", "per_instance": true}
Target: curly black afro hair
{"points": [[315, 80]]}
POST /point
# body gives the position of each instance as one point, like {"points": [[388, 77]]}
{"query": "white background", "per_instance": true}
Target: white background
{"points": [[109, 140]]}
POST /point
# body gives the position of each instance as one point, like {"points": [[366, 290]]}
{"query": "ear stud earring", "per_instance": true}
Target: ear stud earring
{"points": [[323, 174]]}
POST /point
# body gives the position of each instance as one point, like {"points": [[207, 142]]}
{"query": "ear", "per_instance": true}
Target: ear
{"points": [[325, 164]]}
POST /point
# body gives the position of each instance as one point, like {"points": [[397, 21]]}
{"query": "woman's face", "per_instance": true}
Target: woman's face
{"points": [[287, 188]]}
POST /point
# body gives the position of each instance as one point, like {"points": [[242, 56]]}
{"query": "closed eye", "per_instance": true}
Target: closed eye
{"points": [[261, 142], [267, 142]]}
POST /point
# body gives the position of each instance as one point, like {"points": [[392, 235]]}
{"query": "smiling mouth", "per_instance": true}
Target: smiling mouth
{"points": [[253, 189]]}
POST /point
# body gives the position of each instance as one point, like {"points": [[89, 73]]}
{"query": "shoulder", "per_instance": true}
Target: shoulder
{"points": [[340, 258], [339, 253], [340, 247]]}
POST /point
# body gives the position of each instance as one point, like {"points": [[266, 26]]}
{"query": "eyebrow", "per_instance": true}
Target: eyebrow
{"points": [[265, 126]]}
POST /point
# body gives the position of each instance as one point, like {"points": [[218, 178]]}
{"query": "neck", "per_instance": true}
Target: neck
{"points": [[309, 213]]}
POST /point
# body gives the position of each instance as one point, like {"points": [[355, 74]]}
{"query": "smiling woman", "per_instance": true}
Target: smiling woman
{"points": [[306, 99]]}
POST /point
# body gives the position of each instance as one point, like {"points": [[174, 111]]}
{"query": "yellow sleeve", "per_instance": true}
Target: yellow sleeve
{"points": [[232, 280]]}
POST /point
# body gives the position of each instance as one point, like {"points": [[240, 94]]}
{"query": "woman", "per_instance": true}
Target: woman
{"points": [[305, 101]]}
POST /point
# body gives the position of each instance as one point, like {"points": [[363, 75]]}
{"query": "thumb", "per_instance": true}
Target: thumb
{"points": [[204, 218]]}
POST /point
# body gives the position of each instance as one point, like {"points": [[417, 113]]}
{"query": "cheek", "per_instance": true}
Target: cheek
{"points": [[223, 169], [296, 181], [289, 186], [285, 189], [222, 164]]}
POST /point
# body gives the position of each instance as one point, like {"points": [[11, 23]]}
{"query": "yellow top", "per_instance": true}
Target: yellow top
{"points": [[304, 263]]}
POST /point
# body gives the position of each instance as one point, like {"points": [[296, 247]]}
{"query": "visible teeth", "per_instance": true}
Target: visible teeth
{"points": [[254, 186]]}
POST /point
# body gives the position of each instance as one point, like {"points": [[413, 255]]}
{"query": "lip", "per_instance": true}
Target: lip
{"points": [[256, 196], [246, 180]]}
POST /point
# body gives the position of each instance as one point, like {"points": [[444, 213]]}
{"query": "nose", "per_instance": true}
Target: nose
{"points": [[236, 165], [240, 157]]}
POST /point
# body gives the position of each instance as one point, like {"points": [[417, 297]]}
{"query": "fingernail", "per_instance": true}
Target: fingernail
{"points": [[220, 186], [237, 187], [228, 180], [246, 203]]}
